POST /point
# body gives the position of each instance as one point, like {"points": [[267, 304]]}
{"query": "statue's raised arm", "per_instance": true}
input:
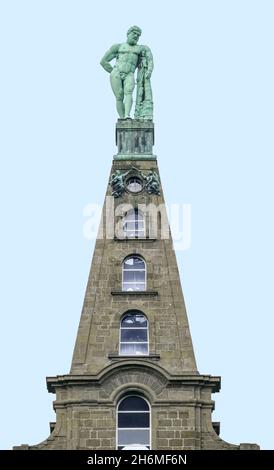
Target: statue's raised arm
{"points": [[130, 56]]}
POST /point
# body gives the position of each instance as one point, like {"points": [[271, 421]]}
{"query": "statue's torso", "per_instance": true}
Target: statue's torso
{"points": [[127, 58]]}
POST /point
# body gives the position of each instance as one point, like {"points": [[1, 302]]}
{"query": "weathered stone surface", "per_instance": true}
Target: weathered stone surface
{"points": [[102, 311], [134, 140], [180, 397]]}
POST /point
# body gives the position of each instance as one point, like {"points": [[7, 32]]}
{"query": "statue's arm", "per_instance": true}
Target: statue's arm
{"points": [[109, 55], [150, 63]]}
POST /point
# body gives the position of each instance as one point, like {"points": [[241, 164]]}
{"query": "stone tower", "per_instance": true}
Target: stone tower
{"points": [[133, 381]]}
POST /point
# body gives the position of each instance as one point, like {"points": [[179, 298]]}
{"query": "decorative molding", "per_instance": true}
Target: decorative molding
{"points": [[150, 181], [130, 365]]}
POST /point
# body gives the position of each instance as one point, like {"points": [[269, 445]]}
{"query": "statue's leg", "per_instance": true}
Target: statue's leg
{"points": [[117, 88], [128, 91]]}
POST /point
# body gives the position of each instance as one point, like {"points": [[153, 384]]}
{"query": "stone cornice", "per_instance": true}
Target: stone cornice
{"points": [[117, 357], [137, 239], [213, 382], [139, 293], [87, 402]]}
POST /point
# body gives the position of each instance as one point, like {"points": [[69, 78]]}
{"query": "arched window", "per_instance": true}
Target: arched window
{"points": [[134, 274], [134, 334], [134, 224], [133, 423]]}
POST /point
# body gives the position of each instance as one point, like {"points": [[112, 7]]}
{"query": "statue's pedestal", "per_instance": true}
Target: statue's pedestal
{"points": [[134, 140]]}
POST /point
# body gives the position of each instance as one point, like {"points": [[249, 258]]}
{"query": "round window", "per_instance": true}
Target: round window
{"points": [[134, 184]]}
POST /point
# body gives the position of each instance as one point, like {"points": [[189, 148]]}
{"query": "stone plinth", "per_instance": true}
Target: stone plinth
{"points": [[134, 139]]}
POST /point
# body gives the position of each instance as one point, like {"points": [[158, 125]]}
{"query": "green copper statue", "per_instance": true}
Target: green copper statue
{"points": [[129, 57]]}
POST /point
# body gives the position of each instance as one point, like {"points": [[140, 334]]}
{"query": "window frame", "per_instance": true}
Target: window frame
{"points": [[141, 270], [134, 394], [138, 312], [134, 213]]}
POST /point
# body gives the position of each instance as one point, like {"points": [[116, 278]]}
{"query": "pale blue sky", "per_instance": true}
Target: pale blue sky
{"points": [[214, 101]]}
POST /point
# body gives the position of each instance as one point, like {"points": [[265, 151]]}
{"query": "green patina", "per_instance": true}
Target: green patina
{"points": [[130, 57], [150, 181]]}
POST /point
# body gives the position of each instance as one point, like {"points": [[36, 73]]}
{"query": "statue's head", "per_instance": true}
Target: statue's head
{"points": [[133, 35]]}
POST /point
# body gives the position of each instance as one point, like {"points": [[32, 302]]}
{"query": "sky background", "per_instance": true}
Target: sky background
{"points": [[214, 101]]}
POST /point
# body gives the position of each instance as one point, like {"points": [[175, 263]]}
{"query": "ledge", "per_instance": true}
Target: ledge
{"points": [[126, 363], [133, 156], [119, 357], [148, 293], [135, 239], [129, 124]]}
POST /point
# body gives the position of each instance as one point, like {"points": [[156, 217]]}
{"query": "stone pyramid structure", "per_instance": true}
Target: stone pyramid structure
{"points": [[133, 381]]}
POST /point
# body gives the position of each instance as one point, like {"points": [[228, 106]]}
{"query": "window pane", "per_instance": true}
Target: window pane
{"points": [[134, 232], [139, 276], [133, 286], [133, 436], [133, 335], [130, 215], [141, 349], [139, 263], [129, 226], [134, 348], [134, 224], [133, 403], [128, 275], [139, 215], [134, 319], [133, 420], [134, 215], [128, 288], [140, 234], [133, 263], [134, 447], [131, 276]]}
